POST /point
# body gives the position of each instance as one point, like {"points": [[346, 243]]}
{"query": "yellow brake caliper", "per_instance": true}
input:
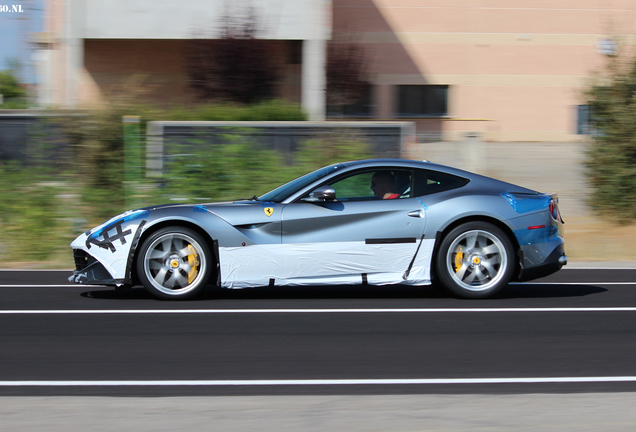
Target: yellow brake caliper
{"points": [[193, 262], [459, 257]]}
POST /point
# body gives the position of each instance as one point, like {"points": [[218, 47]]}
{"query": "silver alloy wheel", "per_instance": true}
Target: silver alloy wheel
{"points": [[476, 260], [175, 263]]}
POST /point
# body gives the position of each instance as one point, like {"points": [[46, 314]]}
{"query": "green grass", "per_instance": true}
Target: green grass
{"points": [[35, 218]]}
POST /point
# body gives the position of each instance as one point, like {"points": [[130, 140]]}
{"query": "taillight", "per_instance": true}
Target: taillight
{"points": [[554, 210]]}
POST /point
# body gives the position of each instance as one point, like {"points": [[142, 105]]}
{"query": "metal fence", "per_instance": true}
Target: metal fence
{"points": [[385, 139], [31, 137], [34, 137]]}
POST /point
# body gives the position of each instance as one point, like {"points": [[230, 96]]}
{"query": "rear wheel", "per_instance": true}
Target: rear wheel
{"points": [[475, 260], [174, 263]]}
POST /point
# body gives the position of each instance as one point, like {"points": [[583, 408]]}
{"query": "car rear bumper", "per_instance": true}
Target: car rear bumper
{"points": [[531, 267]]}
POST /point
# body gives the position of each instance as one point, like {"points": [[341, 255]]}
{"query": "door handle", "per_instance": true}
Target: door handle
{"points": [[416, 214]]}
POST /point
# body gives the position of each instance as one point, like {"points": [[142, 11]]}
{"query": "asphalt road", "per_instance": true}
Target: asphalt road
{"points": [[573, 332]]}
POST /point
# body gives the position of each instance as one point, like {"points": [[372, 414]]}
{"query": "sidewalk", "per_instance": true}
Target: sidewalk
{"points": [[395, 413]]}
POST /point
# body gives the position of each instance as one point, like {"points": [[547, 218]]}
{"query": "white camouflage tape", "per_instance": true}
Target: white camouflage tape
{"points": [[325, 263]]}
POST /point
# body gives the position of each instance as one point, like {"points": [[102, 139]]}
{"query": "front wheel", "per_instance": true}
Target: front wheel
{"points": [[475, 260], [174, 263]]}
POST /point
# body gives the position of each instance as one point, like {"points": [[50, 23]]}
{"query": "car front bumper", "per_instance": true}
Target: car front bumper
{"points": [[89, 271]]}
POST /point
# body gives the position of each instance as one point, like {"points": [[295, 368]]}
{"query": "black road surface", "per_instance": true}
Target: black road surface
{"points": [[572, 332]]}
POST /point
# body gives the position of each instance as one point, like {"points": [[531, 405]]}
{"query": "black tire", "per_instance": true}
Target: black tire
{"points": [[475, 260], [174, 263]]}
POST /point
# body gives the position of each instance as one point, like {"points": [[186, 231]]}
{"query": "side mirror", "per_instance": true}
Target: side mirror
{"points": [[321, 194]]}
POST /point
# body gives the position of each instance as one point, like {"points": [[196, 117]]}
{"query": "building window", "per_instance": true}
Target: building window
{"points": [[295, 52], [583, 125], [422, 101]]}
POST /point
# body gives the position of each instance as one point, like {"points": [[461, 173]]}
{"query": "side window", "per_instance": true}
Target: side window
{"points": [[354, 187], [374, 184], [429, 182]]}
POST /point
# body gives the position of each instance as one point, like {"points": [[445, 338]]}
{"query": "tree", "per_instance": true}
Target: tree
{"points": [[347, 76], [236, 67], [9, 86], [611, 158]]}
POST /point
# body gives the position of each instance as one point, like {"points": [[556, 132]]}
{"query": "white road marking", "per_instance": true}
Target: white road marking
{"points": [[511, 283], [299, 311], [572, 283], [37, 270], [598, 268], [309, 382], [53, 286], [564, 268]]}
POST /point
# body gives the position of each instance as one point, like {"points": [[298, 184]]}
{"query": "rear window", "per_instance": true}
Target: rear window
{"points": [[429, 182]]}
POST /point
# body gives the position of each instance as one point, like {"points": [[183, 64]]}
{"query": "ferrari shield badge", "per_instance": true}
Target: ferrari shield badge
{"points": [[268, 211]]}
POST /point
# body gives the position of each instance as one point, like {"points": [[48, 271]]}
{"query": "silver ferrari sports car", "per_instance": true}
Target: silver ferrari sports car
{"points": [[370, 222]]}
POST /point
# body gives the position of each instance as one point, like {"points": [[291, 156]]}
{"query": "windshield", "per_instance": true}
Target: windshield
{"points": [[282, 192]]}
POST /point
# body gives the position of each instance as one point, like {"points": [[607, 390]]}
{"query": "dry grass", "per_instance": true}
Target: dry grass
{"points": [[592, 239]]}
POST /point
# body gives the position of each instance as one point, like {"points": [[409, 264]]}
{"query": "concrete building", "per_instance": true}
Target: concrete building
{"points": [[92, 46], [505, 70]]}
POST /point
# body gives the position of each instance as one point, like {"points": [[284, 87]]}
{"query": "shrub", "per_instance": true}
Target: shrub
{"points": [[33, 222], [270, 110], [611, 158], [237, 169], [13, 94], [235, 65]]}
